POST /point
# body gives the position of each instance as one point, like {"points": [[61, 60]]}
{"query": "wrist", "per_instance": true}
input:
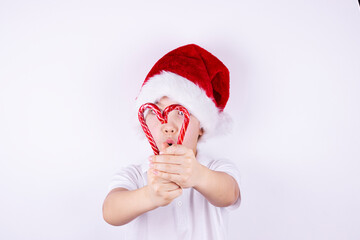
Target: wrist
{"points": [[149, 203], [203, 177]]}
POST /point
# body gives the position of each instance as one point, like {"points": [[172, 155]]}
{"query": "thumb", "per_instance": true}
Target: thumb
{"points": [[164, 146]]}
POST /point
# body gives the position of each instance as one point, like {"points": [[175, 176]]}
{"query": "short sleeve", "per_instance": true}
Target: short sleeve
{"points": [[129, 177], [223, 165]]}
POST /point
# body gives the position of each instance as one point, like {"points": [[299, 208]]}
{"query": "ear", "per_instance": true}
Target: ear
{"points": [[201, 132]]}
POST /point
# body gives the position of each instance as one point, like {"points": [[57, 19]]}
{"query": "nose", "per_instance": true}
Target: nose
{"points": [[169, 128]]}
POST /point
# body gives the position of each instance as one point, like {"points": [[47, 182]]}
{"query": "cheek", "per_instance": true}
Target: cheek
{"points": [[152, 123], [192, 133]]}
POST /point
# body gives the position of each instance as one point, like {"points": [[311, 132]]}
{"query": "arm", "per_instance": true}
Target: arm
{"points": [[178, 164], [122, 206], [219, 188]]}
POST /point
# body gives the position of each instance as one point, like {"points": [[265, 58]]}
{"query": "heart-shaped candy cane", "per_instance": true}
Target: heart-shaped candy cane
{"points": [[162, 117]]}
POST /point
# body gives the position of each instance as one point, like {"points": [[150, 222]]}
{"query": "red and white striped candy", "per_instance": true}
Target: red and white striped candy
{"points": [[163, 118]]}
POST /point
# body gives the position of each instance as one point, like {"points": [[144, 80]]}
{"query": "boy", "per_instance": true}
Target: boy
{"points": [[180, 193]]}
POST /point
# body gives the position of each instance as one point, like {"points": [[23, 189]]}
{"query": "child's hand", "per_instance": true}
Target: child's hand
{"points": [[161, 191], [177, 164]]}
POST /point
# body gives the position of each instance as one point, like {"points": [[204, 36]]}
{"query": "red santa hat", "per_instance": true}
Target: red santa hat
{"points": [[194, 78]]}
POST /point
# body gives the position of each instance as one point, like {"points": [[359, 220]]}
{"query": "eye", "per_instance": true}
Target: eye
{"points": [[180, 113], [149, 112]]}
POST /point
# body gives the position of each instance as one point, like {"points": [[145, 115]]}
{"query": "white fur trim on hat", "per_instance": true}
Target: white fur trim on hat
{"points": [[190, 96]]}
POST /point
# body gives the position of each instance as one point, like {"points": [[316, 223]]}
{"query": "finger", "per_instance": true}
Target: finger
{"points": [[175, 193], [154, 178], [176, 149], [164, 146], [166, 167], [161, 180], [172, 159], [176, 178], [170, 186]]}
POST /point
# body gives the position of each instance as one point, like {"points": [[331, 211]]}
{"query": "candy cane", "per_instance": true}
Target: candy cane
{"points": [[163, 118]]}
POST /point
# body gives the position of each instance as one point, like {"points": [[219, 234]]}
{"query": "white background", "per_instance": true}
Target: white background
{"points": [[69, 74]]}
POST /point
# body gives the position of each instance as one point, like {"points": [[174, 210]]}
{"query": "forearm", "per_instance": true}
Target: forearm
{"points": [[122, 206], [218, 188]]}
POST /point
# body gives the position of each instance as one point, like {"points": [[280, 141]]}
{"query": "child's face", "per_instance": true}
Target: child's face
{"points": [[169, 132]]}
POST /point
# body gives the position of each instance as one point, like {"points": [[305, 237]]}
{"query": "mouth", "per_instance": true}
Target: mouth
{"points": [[170, 142]]}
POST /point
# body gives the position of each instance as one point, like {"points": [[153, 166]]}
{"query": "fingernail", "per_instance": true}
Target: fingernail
{"points": [[155, 172], [151, 165], [150, 159]]}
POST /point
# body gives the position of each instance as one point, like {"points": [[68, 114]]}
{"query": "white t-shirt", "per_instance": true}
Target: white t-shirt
{"points": [[189, 216]]}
